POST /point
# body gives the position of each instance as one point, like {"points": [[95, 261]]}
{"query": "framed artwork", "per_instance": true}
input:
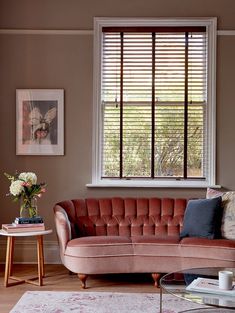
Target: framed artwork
{"points": [[40, 122]]}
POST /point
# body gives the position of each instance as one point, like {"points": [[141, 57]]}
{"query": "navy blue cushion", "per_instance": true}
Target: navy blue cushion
{"points": [[202, 218]]}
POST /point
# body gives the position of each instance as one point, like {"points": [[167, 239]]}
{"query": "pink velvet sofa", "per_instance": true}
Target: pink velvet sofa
{"points": [[132, 235]]}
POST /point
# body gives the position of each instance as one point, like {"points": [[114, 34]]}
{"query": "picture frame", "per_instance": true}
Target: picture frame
{"points": [[40, 122]]}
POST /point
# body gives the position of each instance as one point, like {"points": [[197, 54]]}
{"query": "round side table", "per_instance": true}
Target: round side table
{"points": [[10, 254]]}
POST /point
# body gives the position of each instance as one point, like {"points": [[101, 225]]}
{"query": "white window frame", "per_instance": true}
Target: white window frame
{"points": [[211, 25]]}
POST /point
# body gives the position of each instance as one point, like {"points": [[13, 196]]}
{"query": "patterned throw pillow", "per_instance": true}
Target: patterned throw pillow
{"points": [[228, 203]]}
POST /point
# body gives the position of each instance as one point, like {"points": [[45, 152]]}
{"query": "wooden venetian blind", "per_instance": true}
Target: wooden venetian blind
{"points": [[154, 97]]}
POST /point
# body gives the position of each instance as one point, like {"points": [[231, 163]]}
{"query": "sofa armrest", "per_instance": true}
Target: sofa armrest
{"points": [[63, 227]]}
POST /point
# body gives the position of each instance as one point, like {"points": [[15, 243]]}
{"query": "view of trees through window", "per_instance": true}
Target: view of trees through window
{"points": [[154, 104]]}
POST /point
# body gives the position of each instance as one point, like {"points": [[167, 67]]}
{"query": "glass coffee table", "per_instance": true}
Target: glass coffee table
{"points": [[175, 283]]}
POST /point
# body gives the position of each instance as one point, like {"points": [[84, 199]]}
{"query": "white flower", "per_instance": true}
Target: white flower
{"points": [[29, 177], [16, 188]]}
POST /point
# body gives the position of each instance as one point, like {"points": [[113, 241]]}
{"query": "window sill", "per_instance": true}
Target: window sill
{"points": [[151, 184]]}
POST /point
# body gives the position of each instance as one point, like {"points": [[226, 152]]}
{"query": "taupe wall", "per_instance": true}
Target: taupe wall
{"points": [[65, 61]]}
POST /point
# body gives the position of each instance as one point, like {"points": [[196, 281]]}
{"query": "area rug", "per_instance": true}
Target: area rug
{"points": [[100, 302]]}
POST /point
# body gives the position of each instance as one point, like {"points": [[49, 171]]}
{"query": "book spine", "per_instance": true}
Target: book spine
{"points": [[33, 220]]}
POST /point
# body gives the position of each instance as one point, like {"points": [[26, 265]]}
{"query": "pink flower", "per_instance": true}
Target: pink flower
{"points": [[25, 184], [43, 190]]}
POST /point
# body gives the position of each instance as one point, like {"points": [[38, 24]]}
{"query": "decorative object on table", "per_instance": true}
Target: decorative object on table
{"points": [[24, 188], [16, 228], [39, 121], [226, 280]]}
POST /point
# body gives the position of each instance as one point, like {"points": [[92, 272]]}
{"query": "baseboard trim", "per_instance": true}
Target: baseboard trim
{"points": [[25, 252]]}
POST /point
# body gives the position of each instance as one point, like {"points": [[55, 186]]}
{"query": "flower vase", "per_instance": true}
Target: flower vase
{"points": [[28, 208]]}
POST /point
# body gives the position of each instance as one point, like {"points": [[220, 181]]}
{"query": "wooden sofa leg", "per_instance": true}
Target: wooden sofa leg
{"points": [[83, 278], [156, 277]]}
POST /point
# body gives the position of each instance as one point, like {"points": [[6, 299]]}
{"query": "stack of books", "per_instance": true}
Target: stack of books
{"points": [[22, 224], [208, 285]]}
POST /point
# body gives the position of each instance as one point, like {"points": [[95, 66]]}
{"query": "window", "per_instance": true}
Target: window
{"points": [[154, 102]]}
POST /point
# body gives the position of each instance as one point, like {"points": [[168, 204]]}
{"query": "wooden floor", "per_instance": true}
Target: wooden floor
{"points": [[58, 278]]}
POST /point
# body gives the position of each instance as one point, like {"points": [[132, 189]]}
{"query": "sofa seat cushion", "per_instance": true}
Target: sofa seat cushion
{"points": [[99, 246], [152, 245], [217, 249]]}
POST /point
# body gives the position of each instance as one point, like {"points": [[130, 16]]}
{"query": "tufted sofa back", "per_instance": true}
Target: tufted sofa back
{"points": [[124, 216]]}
